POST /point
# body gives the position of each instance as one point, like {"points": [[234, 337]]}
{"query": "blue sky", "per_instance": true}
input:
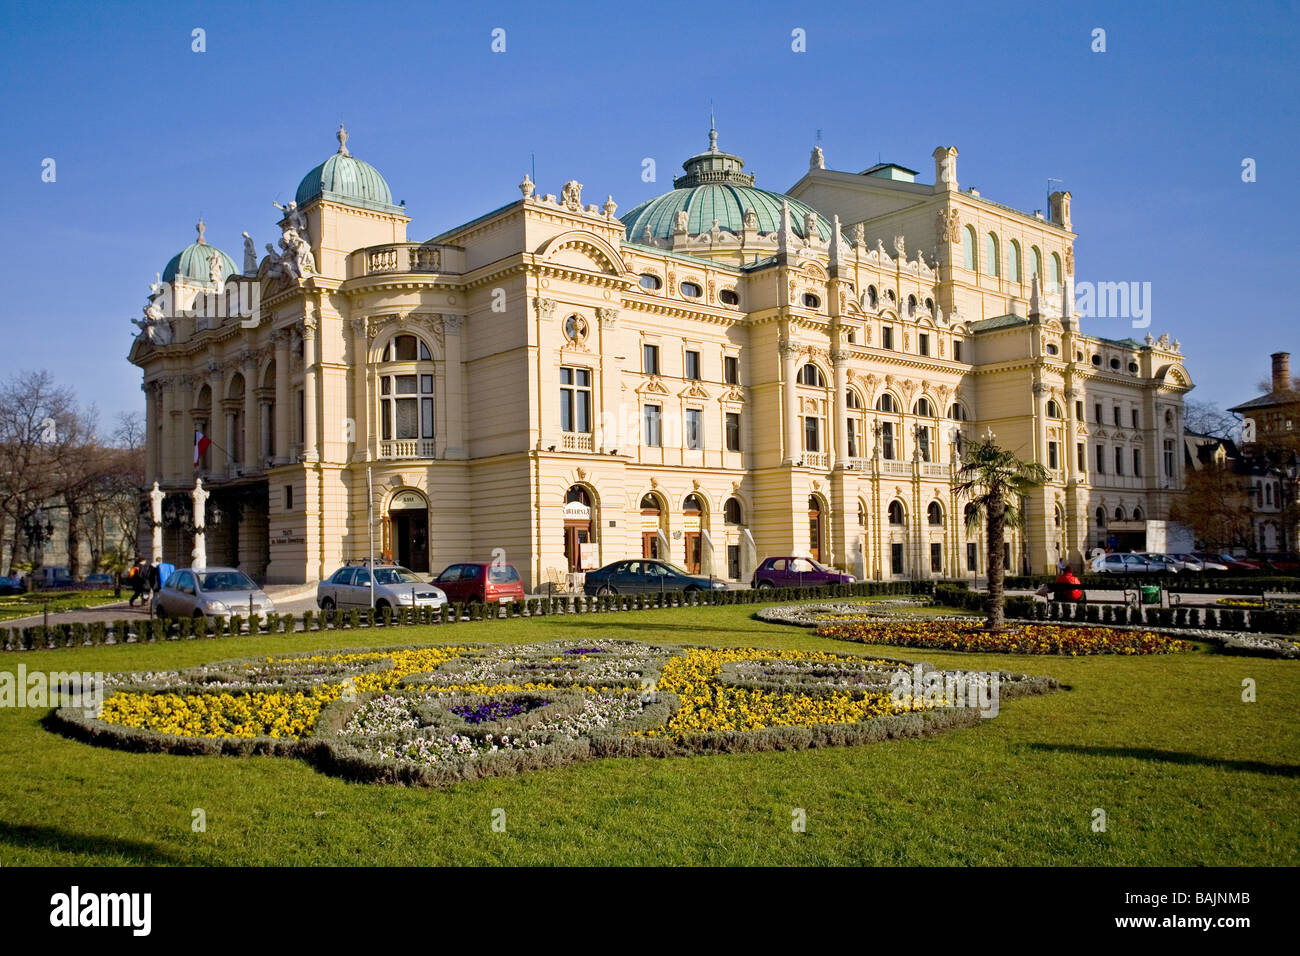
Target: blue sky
{"points": [[147, 135]]}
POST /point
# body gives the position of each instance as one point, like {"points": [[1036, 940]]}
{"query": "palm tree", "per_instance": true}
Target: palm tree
{"points": [[996, 481]]}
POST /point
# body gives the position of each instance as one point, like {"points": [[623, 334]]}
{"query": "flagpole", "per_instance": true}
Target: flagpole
{"points": [[370, 527]]}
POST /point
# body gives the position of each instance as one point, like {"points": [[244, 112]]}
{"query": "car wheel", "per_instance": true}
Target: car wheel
{"points": [[690, 589], [605, 591], [160, 612], [765, 585], [197, 613], [381, 606]]}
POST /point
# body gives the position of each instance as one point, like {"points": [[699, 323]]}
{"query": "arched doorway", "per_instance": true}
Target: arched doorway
{"points": [[653, 538], [579, 529], [815, 527], [406, 530], [692, 524]]}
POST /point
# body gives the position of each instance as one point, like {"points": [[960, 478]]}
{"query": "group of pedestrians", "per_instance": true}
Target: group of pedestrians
{"points": [[144, 579]]}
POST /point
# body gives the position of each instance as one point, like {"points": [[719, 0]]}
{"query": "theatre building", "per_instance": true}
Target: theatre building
{"points": [[719, 374]]}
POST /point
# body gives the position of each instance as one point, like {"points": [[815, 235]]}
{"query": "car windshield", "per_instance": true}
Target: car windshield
{"points": [[395, 576], [225, 581]]}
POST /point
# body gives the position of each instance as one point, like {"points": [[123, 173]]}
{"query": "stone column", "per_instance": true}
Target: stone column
{"points": [[282, 410], [793, 442], [310, 372], [840, 408], [252, 420], [453, 358], [179, 455], [360, 450], [229, 438]]}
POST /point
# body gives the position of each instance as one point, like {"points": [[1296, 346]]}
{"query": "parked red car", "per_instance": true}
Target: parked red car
{"points": [[483, 582]]}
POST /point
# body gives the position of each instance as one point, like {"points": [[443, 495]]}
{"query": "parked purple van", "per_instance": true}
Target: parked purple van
{"points": [[792, 572]]}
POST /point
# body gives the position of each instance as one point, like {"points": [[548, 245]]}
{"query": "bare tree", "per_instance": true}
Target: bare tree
{"points": [[1206, 418]]}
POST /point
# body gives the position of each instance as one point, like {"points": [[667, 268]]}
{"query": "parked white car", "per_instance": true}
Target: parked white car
{"points": [[1117, 563], [215, 592], [1201, 564]]}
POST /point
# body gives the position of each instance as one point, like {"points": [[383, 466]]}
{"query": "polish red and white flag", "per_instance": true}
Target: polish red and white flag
{"points": [[201, 443]]}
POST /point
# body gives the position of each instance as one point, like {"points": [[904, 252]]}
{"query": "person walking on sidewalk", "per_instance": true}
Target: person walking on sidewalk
{"points": [[139, 580]]}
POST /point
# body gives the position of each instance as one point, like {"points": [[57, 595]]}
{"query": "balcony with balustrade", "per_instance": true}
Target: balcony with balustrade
{"points": [[402, 258], [407, 448]]}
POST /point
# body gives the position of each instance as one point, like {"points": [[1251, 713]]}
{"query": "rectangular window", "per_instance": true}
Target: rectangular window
{"points": [[896, 558], [923, 436], [694, 429], [1078, 411], [288, 497], [936, 557], [575, 400], [956, 350], [650, 359], [1053, 455], [853, 337], [1119, 460], [853, 438], [653, 438], [1096, 411], [693, 366], [426, 418], [812, 434], [1169, 458], [301, 418], [1135, 418], [887, 440], [1101, 459], [1081, 457], [1116, 411], [887, 337], [923, 343], [1137, 462], [731, 370], [972, 557], [733, 431], [406, 420]]}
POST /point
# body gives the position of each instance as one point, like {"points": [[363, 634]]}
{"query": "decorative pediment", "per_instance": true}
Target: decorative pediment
{"points": [[652, 387], [582, 250], [733, 396], [693, 391]]}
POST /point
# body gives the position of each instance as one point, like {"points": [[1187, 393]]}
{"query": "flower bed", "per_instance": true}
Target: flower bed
{"points": [[1022, 639], [435, 715]]}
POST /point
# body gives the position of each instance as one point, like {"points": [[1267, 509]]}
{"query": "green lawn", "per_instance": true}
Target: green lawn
{"points": [[23, 605], [1186, 773]]}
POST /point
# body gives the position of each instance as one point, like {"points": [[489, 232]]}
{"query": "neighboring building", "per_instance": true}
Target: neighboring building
{"points": [[721, 374], [1270, 453], [1272, 421], [1246, 508]]}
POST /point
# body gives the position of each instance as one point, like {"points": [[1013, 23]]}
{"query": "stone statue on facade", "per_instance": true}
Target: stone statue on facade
{"points": [[157, 330], [215, 268], [681, 223], [571, 195], [250, 256], [294, 218]]}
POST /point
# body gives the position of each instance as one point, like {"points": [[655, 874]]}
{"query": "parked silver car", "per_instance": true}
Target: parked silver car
{"points": [[395, 586], [215, 592], [1117, 563], [1164, 562]]}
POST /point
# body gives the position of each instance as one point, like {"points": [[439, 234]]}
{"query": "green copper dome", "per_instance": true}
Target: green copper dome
{"points": [[193, 263], [715, 187], [344, 178]]}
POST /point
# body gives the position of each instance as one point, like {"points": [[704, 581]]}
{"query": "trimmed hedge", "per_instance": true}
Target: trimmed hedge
{"points": [[1191, 583]]}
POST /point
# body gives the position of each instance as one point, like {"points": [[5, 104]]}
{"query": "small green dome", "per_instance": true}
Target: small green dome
{"points": [[715, 187], [193, 263], [344, 178]]}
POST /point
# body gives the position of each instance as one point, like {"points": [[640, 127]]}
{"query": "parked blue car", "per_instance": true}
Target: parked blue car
{"points": [[646, 576]]}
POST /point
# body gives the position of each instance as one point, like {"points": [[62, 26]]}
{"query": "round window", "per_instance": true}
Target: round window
{"points": [[651, 282], [691, 290], [1114, 363], [728, 297], [1052, 349], [811, 301], [1133, 367]]}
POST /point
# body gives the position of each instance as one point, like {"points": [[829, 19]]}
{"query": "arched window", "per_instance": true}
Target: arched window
{"points": [[732, 513], [929, 306], [650, 503], [957, 412], [851, 399], [911, 305], [1055, 278], [1059, 515], [693, 503], [1035, 262], [811, 375], [971, 516], [896, 513], [1013, 261], [872, 299], [406, 394], [934, 513], [862, 514], [1119, 513], [992, 264], [1101, 517], [886, 403], [969, 251], [1053, 409], [1137, 514], [922, 408]]}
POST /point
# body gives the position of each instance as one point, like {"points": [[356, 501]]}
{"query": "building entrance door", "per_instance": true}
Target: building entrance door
{"points": [[408, 531], [693, 552]]}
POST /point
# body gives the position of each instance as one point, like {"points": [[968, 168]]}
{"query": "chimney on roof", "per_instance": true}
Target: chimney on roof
{"points": [[1281, 371]]}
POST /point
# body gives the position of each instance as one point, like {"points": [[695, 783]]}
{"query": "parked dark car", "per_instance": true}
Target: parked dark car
{"points": [[482, 582], [646, 576], [1231, 563], [796, 572], [10, 586], [1283, 564]]}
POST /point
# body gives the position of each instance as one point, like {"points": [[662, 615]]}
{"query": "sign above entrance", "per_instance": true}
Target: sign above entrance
{"points": [[577, 511], [405, 500]]}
